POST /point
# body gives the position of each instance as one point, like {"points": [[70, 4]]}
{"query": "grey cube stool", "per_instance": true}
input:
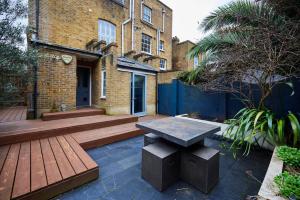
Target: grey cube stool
{"points": [[151, 138], [200, 167], [160, 165]]}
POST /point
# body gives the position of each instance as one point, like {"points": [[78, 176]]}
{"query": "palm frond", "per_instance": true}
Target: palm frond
{"points": [[241, 13]]}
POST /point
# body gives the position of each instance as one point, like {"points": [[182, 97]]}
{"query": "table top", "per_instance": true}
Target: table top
{"points": [[181, 131]]}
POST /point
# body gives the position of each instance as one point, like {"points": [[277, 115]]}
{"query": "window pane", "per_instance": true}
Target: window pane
{"points": [[147, 14], [163, 64], [107, 31], [146, 43]]}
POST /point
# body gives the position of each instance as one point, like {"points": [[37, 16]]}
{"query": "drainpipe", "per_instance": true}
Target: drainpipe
{"points": [[158, 40], [132, 26], [35, 67], [124, 23], [163, 16]]}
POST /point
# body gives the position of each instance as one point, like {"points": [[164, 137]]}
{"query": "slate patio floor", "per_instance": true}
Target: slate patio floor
{"points": [[120, 177]]}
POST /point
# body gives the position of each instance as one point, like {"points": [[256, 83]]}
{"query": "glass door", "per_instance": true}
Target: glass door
{"points": [[138, 94]]}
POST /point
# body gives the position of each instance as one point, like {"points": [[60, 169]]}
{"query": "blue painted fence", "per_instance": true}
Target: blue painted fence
{"points": [[178, 98]]}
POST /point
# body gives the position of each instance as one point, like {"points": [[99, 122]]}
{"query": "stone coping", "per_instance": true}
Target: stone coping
{"points": [[268, 189]]}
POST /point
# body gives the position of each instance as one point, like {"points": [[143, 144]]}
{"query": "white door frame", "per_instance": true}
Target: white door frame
{"points": [[90, 82], [132, 95]]}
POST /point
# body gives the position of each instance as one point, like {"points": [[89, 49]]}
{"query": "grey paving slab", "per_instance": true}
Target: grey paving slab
{"points": [[120, 176], [178, 130]]}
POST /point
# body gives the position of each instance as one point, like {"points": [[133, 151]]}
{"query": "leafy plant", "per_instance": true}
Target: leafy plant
{"points": [[251, 125], [290, 156], [289, 185], [248, 43]]}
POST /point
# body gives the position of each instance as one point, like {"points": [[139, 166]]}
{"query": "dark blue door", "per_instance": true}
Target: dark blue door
{"points": [[83, 87]]}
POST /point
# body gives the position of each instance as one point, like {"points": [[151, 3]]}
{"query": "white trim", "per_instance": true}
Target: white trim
{"points": [[90, 85], [123, 27], [163, 20], [102, 84], [143, 13], [165, 67], [145, 95], [136, 71], [149, 53]]}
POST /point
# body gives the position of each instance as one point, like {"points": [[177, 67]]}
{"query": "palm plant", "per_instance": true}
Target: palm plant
{"points": [[246, 38], [249, 42]]}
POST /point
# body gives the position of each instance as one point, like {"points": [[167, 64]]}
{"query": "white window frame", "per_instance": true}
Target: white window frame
{"points": [[106, 31], [121, 2], [103, 81], [165, 64], [196, 62], [161, 45], [150, 45], [147, 14]]}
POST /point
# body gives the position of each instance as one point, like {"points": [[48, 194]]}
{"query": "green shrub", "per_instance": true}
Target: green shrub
{"points": [[251, 125], [290, 156], [289, 185]]}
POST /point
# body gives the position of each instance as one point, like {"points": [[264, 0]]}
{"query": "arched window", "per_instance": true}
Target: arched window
{"points": [[107, 31]]}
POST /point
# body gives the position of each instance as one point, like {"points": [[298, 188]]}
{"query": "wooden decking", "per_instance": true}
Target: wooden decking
{"points": [[99, 137], [41, 159], [72, 114], [36, 129], [12, 114], [41, 169]]}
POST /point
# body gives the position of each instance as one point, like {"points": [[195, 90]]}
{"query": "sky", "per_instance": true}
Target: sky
{"points": [[187, 14]]}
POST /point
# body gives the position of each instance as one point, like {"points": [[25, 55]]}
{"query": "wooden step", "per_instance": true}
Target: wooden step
{"points": [[72, 114], [99, 137], [42, 169], [31, 130]]}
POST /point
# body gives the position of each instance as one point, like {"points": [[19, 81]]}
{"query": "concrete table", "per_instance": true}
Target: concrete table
{"points": [[194, 167], [180, 131]]}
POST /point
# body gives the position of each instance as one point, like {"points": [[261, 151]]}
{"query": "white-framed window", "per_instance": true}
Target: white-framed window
{"points": [[106, 31], [147, 14], [122, 2], [103, 84], [196, 61], [146, 43], [161, 45], [163, 64]]}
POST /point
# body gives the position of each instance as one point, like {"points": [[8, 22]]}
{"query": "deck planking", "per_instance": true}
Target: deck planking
{"points": [[12, 114], [42, 169]]}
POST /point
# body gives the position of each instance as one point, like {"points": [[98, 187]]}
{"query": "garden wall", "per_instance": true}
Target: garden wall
{"points": [[178, 98]]}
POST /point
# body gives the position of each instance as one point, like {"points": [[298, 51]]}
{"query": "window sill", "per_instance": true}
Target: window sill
{"points": [[162, 50], [147, 23], [103, 98], [150, 54], [165, 69]]}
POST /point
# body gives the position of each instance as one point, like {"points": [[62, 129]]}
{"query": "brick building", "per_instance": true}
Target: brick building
{"points": [[180, 59], [100, 53]]}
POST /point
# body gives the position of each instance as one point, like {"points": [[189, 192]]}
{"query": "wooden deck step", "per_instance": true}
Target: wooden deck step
{"points": [[72, 114], [42, 169], [99, 137], [13, 114], [38, 129]]}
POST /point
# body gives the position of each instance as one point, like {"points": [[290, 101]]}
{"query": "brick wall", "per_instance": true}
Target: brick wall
{"points": [[73, 23], [56, 82], [167, 77], [180, 58], [118, 91]]}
